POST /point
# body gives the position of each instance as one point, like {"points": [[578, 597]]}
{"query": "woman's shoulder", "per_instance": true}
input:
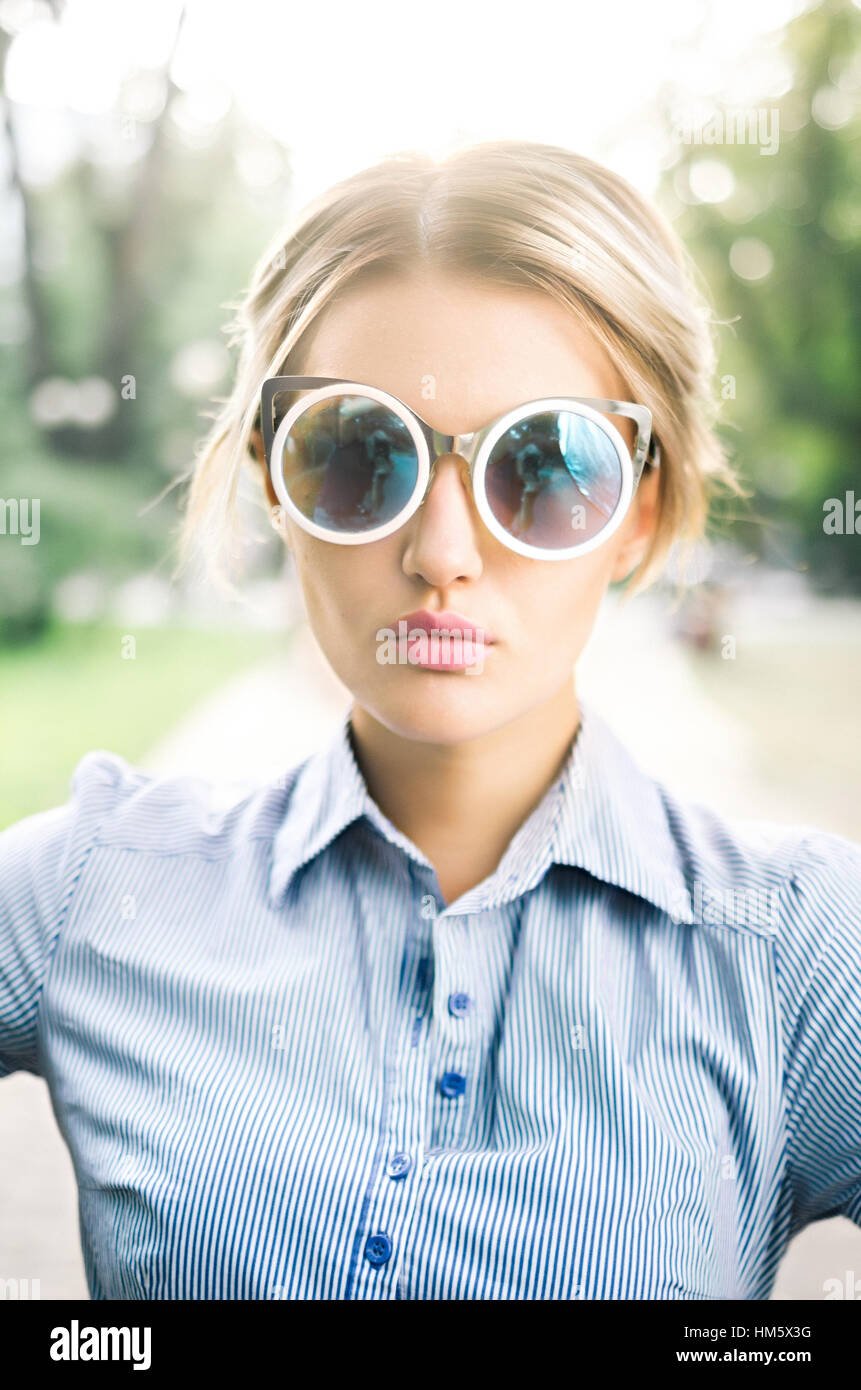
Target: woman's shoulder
{"points": [[798, 875], [788, 879], [734, 845], [128, 805], [797, 888], [113, 806], [113, 802]]}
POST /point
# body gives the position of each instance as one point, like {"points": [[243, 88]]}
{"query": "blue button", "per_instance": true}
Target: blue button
{"points": [[378, 1248], [452, 1084], [459, 1004], [399, 1165]]}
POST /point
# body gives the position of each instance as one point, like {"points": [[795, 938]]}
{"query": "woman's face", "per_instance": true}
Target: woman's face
{"points": [[460, 352]]}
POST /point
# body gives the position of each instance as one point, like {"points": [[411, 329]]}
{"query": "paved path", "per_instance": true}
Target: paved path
{"points": [[269, 718]]}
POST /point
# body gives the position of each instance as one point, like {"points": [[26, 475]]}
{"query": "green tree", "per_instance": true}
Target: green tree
{"points": [[776, 236], [129, 261]]}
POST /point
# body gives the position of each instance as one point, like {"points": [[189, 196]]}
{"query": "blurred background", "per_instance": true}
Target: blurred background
{"points": [[148, 153]]}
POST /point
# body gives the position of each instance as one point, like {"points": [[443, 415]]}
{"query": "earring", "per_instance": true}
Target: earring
{"points": [[277, 520]]}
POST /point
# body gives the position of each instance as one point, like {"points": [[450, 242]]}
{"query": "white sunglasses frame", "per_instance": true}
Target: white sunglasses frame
{"points": [[475, 448]]}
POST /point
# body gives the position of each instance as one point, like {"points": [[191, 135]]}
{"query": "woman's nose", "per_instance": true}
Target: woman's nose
{"points": [[445, 531]]}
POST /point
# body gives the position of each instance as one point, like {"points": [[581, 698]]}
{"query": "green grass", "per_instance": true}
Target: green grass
{"points": [[72, 691], [801, 703]]}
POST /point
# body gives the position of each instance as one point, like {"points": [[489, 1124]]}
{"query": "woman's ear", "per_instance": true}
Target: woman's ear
{"points": [[638, 526], [260, 455], [276, 511]]}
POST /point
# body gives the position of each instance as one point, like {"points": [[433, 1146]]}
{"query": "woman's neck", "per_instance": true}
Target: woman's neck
{"points": [[461, 804]]}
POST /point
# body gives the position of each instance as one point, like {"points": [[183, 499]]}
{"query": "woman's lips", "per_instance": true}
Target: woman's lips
{"points": [[452, 642], [447, 620]]}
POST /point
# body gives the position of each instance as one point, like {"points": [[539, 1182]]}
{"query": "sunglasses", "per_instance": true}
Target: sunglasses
{"points": [[552, 478]]}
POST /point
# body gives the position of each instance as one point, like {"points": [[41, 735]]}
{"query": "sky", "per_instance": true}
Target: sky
{"points": [[343, 84]]}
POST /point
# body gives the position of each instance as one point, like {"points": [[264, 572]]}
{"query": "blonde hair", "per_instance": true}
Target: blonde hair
{"points": [[513, 212]]}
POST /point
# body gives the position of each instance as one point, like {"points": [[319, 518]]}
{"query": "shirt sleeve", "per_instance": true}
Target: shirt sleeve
{"points": [[819, 960], [41, 859]]}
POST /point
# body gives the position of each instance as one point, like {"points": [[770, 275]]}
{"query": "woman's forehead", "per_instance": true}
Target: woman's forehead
{"points": [[470, 348]]}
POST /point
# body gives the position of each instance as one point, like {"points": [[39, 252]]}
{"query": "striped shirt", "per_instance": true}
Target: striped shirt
{"points": [[627, 1064]]}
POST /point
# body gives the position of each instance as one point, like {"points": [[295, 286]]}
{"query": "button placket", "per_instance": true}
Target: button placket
{"points": [[418, 965], [398, 1175], [457, 1051]]}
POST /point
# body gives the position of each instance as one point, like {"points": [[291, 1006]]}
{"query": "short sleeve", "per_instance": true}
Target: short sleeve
{"points": [[41, 859], [819, 959]]}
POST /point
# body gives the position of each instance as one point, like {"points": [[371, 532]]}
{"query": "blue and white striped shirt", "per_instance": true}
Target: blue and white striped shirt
{"points": [[625, 1065]]}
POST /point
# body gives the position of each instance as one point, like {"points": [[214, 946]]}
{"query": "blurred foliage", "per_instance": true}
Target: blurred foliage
{"points": [[791, 340], [130, 260]]}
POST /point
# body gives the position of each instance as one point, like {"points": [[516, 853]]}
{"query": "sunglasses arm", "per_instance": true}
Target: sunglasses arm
{"points": [[270, 389], [646, 447]]}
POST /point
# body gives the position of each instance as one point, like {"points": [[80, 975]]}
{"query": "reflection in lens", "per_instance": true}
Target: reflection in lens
{"points": [[553, 479], [350, 464]]}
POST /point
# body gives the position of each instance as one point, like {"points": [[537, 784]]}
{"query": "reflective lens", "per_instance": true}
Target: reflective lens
{"points": [[553, 479], [350, 464]]}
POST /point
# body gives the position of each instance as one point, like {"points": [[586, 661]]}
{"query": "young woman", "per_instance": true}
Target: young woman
{"points": [[442, 1014]]}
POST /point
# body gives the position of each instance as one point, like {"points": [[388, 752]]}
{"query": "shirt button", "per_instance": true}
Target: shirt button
{"points": [[399, 1165], [452, 1084], [378, 1248], [459, 1004]]}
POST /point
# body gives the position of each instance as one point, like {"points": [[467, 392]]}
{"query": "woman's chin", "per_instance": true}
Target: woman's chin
{"points": [[437, 707]]}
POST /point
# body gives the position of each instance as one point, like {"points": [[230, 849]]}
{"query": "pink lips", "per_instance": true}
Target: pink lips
{"points": [[454, 642]]}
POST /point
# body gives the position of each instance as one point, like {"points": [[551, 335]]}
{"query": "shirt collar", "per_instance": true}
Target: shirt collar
{"points": [[326, 794], [602, 814], [613, 822]]}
